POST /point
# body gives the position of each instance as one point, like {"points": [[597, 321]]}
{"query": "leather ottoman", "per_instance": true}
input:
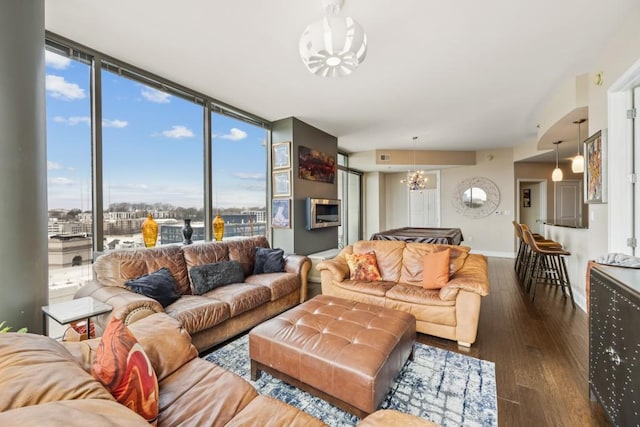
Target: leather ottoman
{"points": [[342, 351]]}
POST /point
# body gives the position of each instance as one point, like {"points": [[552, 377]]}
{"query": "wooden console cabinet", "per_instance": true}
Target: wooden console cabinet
{"points": [[614, 343]]}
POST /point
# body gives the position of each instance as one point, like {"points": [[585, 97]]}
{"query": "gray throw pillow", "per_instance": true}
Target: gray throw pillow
{"points": [[210, 276], [159, 285], [269, 261]]}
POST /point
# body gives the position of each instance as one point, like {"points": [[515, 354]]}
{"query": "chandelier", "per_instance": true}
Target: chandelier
{"points": [[415, 179], [333, 46]]}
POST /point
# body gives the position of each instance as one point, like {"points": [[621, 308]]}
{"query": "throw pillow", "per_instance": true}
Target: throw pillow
{"points": [[269, 261], [436, 269], [364, 267], [210, 276], [159, 285], [122, 366]]}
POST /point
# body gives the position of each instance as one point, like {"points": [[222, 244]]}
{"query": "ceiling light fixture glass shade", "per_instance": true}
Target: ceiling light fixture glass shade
{"points": [[556, 175], [415, 180], [577, 164], [335, 45]]}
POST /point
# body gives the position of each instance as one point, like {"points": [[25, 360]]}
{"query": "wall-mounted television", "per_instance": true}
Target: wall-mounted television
{"points": [[322, 213]]}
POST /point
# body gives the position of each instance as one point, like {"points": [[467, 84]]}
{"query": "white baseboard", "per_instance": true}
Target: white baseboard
{"points": [[496, 254]]}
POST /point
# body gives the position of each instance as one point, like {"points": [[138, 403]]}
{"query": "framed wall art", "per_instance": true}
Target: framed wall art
{"points": [[595, 168], [526, 198], [282, 183], [281, 155], [316, 166], [281, 213]]}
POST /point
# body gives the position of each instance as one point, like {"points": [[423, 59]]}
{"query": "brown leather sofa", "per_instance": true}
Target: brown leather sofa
{"points": [[45, 382], [210, 318], [451, 312]]}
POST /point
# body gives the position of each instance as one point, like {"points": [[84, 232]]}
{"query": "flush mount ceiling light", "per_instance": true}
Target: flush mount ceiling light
{"points": [[415, 179], [577, 165], [335, 45], [557, 172]]}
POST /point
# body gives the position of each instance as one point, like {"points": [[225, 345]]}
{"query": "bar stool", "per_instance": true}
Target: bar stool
{"points": [[524, 256], [548, 266]]}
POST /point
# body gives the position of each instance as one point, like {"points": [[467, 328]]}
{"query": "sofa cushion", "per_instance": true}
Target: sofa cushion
{"points": [[122, 366], [201, 393], [370, 288], [413, 256], [159, 285], [279, 284], [209, 276], [244, 251], [24, 355], [363, 267], [241, 297], [388, 256], [435, 269], [278, 413], [197, 313], [172, 258], [416, 294], [205, 253], [269, 261]]}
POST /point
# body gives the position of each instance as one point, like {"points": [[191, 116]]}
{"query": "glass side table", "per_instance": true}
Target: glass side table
{"points": [[70, 311]]}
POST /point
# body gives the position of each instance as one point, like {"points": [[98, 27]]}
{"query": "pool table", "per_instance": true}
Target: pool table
{"points": [[447, 236]]}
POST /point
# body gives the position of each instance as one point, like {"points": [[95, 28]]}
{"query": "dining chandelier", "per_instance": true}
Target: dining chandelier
{"points": [[415, 180], [335, 45]]}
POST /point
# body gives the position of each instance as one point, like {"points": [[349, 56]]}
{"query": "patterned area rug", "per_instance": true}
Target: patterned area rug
{"points": [[447, 388]]}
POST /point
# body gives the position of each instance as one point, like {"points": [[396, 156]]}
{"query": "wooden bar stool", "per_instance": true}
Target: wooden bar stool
{"points": [[548, 266]]}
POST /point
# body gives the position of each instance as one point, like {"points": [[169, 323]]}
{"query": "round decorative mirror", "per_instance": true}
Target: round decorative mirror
{"points": [[476, 197]]}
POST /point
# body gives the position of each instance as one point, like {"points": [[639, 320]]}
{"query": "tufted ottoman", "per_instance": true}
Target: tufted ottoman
{"points": [[342, 351]]}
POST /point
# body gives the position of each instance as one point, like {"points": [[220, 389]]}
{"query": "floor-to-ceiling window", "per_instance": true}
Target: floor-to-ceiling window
{"points": [[350, 193], [68, 171], [239, 169], [152, 161]]}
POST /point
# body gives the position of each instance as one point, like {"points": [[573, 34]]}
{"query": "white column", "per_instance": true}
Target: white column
{"points": [[23, 165]]}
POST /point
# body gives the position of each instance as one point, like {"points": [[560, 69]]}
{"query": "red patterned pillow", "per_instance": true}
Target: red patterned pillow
{"points": [[122, 366], [364, 267]]}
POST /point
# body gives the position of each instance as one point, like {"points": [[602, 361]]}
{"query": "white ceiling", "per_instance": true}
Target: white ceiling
{"points": [[463, 74]]}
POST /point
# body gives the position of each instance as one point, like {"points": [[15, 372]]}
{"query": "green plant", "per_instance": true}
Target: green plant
{"points": [[4, 329]]}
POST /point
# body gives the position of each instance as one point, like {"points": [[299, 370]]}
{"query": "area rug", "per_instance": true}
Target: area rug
{"points": [[447, 388]]}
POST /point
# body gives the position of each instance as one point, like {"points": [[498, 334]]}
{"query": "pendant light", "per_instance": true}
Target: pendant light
{"points": [[415, 179], [577, 165], [557, 172]]}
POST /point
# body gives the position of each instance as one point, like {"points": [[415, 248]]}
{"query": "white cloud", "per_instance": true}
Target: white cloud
{"points": [[155, 95], [58, 87], [60, 180], [56, 61], [249, 176], [114, 123], [53, 166], [178, 132], [73, 120], [235, 134]]}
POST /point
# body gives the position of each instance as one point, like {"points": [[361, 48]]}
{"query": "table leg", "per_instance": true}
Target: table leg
{"points": [[44, 324], [88, 328]]}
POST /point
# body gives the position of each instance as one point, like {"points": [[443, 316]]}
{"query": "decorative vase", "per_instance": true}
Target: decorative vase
{"points": [[149, 232], [187, 232], [218, 227]]}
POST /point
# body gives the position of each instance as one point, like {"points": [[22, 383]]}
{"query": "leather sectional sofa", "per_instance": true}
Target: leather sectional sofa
{"points": [[45, 382], [451, 312], [212, 317]]}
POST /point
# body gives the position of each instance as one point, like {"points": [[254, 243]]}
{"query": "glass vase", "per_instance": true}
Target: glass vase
{"points": [[149, 232], [187, 232], [218, 227]]}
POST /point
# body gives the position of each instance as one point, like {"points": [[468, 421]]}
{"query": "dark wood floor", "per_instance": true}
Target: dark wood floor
{"points": [[540, 351]]}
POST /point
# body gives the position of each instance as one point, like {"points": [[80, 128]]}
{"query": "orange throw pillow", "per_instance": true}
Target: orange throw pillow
{"points": [[122, 366], [364, 267], [436, 269]]}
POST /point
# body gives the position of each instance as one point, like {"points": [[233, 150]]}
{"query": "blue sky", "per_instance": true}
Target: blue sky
{"points": [[152, 145]]}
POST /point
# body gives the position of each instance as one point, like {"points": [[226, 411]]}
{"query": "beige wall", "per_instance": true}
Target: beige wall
{"points": [[492, 235]]}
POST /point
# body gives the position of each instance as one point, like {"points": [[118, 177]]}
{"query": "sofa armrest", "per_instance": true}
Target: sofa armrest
{"points": [[472, 277], [127, 306], [337, 266], [300, 265]]}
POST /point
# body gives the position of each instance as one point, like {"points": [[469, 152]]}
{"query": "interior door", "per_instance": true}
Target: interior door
{"points": [[423, 208], [569, 201]]}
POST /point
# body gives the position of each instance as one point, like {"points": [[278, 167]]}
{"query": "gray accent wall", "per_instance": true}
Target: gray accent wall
{"points": [[23, 165], [298, 239]]}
